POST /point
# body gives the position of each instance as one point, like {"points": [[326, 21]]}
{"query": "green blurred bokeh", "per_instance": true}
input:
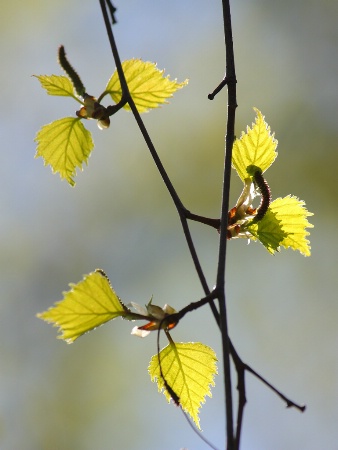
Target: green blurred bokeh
{"points": [[96, 393]]}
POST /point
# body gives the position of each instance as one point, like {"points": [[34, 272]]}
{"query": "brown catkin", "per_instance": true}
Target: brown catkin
{"points": [[265, 192], [76, 80]]}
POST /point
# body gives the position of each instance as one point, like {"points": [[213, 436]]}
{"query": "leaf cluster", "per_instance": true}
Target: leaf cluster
{"points": [[285, 221], [189, 368], [183, 371], [66, 144]]}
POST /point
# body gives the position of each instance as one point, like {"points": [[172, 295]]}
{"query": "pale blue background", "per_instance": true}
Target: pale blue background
{"points": [[96, 393]]}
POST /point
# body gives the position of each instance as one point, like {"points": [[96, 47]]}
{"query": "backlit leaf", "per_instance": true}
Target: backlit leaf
{"points": [[148, 86], [57, 85], [284, 225], [189, 369], [269, 231], [88, 304], [256, 147], [64, 145]]}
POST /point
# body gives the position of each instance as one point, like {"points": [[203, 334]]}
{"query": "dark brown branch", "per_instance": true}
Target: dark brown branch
{"points": [[289, 403], [112, 11], [177, 201], [241, 368], [214, 223], [220, 280], [213, 94]]}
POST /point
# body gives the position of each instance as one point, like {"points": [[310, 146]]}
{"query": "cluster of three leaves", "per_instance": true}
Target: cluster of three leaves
{"points": [[66, 144], [187, 367], [285, 222]]}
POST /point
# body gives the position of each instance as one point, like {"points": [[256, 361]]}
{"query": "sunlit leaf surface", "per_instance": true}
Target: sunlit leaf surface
{"points": [[284, 225], [64, 145], [87, 305], [256, 147], [189, 369], [148, 86], [57, 85]]}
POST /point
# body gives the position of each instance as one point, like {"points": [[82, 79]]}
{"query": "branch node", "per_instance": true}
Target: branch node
{"points": [[112, 11], [224, 82]]}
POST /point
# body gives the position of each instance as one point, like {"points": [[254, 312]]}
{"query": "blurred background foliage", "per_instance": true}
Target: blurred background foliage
{"points": [[96, 393]]}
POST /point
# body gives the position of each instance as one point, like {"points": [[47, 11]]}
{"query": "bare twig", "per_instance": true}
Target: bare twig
{"points": [[218, 89], [220, 281], [112, 11]]}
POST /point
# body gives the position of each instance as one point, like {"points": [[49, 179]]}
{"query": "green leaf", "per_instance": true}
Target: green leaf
{"points": [[88, 304], [148, 86], [64, 145], [269, 231], [256, 147], [284, 225], [189, 369], [57, 85]]}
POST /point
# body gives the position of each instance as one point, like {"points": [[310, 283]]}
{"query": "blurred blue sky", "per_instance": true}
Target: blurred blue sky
{"points": [[283, 310]]}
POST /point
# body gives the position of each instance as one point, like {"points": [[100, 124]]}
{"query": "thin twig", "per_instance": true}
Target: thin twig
{"points": [[241, 389], [220, 282], [218, 89], [182, 211], [112, 11], [214, 223], [124, 86], [289, 403]]}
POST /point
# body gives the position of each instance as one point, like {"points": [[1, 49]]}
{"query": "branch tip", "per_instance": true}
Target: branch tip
{"points": [[112, 11], [213, 94]]}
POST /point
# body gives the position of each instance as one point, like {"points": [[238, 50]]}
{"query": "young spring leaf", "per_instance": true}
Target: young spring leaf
{"points": [[256, 147], [189, 369], [65, 145], [88, 304], [57, 85], [268, 231], [284, 225], [147, 85]]}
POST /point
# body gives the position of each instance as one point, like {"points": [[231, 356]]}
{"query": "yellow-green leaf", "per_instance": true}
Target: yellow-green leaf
{"points": [[64, 145], [148, 86], [88, 304], [57, 85], [189, 369], [256, 147], [269, 231], [284, 225]]}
